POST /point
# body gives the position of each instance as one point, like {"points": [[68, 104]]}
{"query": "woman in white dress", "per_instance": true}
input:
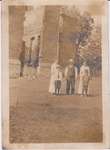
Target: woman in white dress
{"points": [[83, 69], [52, 77]]}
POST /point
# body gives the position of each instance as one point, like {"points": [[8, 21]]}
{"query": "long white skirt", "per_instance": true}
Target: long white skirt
{"points": [[80, 86], [52, 85]]}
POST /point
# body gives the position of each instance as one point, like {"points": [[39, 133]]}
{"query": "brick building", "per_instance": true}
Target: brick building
{"points": [[56, 39], [16, 29], [58, 36]]}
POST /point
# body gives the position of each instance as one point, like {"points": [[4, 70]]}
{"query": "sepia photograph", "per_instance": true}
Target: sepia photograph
{"points": [[55, 63]]}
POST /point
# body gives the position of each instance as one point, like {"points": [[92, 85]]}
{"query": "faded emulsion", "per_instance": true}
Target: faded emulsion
{"points": [[55, 73]]}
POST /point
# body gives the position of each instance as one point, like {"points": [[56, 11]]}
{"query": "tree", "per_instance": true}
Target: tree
{"points": [[92, 51], [85, 25]]}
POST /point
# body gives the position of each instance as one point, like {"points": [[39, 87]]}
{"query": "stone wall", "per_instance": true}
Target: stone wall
{"points": [[16, 29], [67, 39], [51, 33], [47, 24]]}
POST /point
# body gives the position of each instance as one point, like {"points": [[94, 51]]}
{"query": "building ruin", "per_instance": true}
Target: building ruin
{"points": [[56, 39]]}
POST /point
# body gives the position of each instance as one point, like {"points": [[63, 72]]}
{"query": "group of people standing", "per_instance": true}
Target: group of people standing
{"points": [[76, 83]]}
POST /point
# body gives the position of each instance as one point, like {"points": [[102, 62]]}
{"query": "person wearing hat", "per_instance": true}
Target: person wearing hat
{"points": [[70, 75]]}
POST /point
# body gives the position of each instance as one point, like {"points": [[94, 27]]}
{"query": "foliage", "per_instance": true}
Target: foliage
{"points": [[87, 39], [85, 23], [92, 51]]}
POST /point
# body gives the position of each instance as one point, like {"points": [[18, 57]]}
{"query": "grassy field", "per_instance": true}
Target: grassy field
{"points": [[38, 117]]}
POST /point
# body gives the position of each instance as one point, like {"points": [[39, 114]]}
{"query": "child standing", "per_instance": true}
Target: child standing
{"points": [[58, 79], [85, 83]]}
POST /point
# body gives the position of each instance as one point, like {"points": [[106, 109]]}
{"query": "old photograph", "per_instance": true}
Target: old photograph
{"points": [[55, 73]]}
